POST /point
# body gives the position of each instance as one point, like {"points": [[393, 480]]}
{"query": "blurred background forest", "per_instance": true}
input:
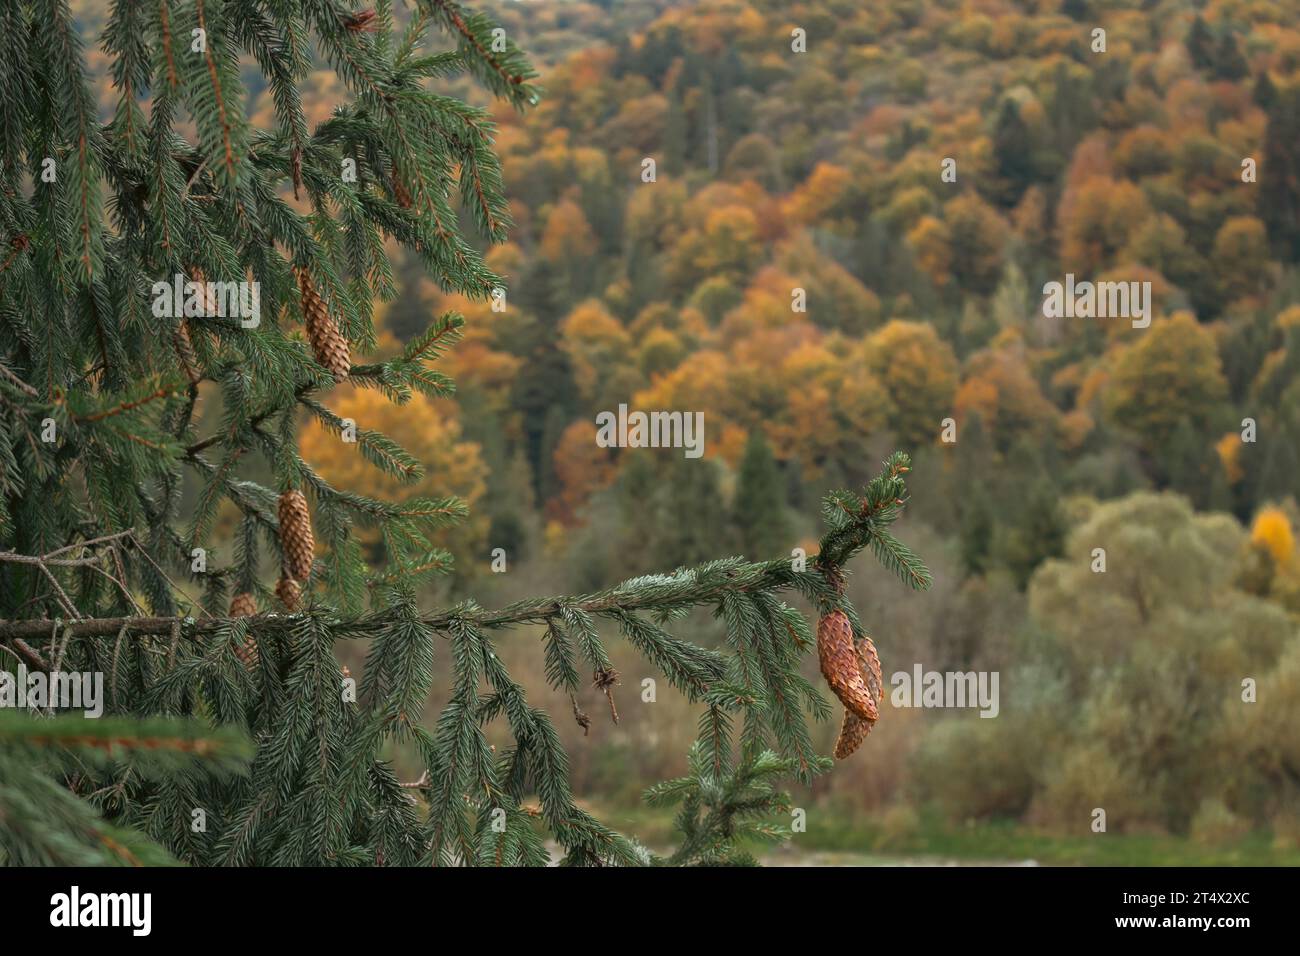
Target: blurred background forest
{"points": [[820, 170]]}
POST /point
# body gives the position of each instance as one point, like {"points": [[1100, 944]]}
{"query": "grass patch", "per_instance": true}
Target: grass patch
{"points": [[864, 842]]}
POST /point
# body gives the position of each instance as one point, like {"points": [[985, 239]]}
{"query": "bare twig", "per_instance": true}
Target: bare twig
{"points": [[45, 561], [606, 680], [104, 627], [57, 663], [580, 717], [93, 542], [112, 679], [64, 600], [28, 653], [420, 784]]}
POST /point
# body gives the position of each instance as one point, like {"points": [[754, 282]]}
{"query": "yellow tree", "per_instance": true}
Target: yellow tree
{"points": [[919, 371], [428, 430], [1098, 218], [1169, 376], [600, 350], [976, 237], [1241, 258], [582, 468], [1000, 387]]}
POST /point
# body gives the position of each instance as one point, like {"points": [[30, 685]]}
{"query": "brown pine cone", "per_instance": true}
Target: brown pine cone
{"points": [[400, 194], [362, 20], [840, 665], [244, 604], [854, 730], [327, 342], [296, 539], [289, 592], [185, 352], [869, 662], [181, 341], [209, 300]]}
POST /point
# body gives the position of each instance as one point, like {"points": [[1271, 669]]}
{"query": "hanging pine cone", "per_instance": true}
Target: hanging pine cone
{"points": [[289, 592], [853, 729], [196, 275], [400, 194], [296, 539], [181, 342], [185, 352], [869, 661], [244, 604], [327, 342], [840, 664], [362, 20]]}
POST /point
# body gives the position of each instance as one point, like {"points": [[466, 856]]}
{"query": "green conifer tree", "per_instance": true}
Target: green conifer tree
{"points": [[109, 564], [1279, 195], [977, 529], [1013, 152], [1037, 534], [759, 507], [1229, 62], [1200, 44], [690, 517]]}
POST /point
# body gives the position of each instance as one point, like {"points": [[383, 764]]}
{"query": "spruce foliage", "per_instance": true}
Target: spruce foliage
{"points": [[107, 564]]}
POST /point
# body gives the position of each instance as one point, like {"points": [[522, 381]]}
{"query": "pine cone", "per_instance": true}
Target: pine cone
{"points": [[327, 342], [181, 341], [209, 301], [841, 666], [296, 539], [185, 352], [400, 194], [854, 730], [362, 20], [289, 592], [244, 604]]}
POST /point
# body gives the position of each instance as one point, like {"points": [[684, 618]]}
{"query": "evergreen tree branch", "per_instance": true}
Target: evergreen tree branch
{"points": [[93, 526], [706, 585]]}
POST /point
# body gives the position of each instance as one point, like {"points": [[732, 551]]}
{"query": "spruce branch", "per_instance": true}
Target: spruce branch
{"points": [[91, 526], [707, 585]]}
